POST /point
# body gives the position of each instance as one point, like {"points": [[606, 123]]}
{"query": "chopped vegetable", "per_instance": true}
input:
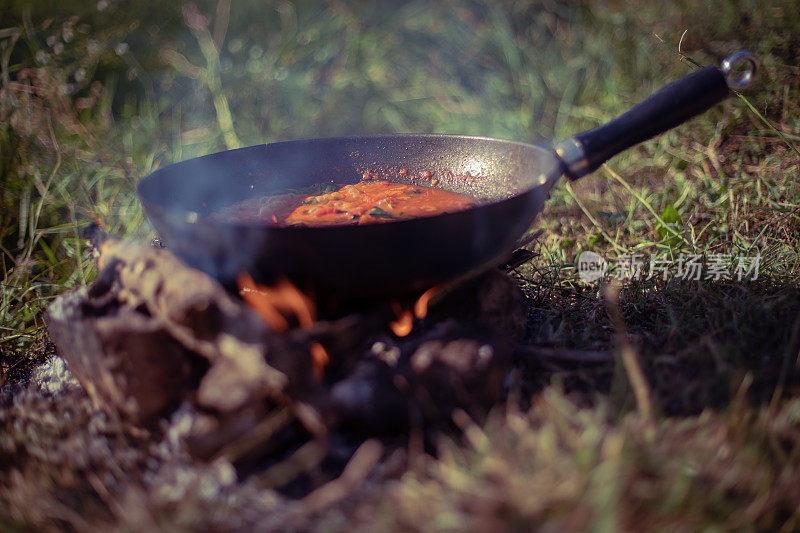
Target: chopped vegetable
{"points": [[380, 213]]}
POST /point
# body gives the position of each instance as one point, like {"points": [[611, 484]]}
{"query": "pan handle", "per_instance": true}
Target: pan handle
{"points": [[673, 105]]}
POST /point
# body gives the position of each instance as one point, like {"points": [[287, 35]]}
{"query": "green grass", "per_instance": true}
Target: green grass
{"points": [[92, 100]]}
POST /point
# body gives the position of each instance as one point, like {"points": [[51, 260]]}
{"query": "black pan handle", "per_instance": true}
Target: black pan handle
{"points": [[673, 105]]}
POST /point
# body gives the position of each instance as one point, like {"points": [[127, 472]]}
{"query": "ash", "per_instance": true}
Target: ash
{"points": [[66, 462], [51, 378]]}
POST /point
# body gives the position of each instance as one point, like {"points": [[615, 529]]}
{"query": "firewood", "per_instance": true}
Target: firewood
{"points": [[151, 333]]}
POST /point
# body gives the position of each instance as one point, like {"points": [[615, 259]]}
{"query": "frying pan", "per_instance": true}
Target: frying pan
{"points": [[511, 179]]}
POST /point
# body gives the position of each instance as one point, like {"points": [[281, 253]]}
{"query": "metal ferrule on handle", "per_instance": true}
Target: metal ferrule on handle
{"points": [[673, 105]]}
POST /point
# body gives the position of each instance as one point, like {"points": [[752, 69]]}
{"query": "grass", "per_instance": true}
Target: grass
{"points": [[523, 471], [93, 99]]}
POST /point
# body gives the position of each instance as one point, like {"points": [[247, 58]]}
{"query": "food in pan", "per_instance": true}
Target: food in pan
{"points": [[365, 202]]}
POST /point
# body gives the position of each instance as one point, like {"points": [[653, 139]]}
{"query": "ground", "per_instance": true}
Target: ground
{"points": [[696, 423]]}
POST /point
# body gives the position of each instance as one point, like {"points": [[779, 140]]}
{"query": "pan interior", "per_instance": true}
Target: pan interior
{"points": [[486, 169]]}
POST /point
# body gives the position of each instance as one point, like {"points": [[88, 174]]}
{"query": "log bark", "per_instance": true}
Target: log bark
{"points": [[125, 360], [152, 331]]}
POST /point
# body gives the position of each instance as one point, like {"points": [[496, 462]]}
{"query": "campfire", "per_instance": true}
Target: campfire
{"points": [[333, 291], [264, 372]]}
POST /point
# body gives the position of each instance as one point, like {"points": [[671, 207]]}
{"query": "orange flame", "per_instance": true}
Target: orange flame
{"points": [[405, 320], [279, 303], [319, 358], [421, 305], [405, 317]]}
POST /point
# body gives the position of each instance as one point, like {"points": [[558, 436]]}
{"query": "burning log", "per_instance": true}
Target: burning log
{"points": [[140, 338]]}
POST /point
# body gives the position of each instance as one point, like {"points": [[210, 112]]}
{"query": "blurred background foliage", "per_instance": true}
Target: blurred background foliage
{"points": [[96, 94]]}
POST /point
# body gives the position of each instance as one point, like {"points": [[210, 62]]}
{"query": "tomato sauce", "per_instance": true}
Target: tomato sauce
{"points": [[366, 202]]}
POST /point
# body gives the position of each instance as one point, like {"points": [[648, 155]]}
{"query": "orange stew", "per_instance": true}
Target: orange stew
{"points": [[366, 202]]}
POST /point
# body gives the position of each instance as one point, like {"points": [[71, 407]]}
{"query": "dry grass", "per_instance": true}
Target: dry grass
{"points": [[523, 471]]}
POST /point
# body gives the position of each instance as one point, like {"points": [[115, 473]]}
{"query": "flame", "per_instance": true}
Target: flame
{"points": [[281, 303], [405, 317], [278, 303], [319, 358], [421, 305], [405, 320]]}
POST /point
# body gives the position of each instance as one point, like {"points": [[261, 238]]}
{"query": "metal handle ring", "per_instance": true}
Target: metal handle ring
{"points": [[741, 80]]}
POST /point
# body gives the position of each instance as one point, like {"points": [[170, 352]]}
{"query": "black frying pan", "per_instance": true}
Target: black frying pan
{"points": [[512, 179]]}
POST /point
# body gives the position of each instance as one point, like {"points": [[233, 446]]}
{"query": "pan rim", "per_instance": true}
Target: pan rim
{"points": [[163, 210]]}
